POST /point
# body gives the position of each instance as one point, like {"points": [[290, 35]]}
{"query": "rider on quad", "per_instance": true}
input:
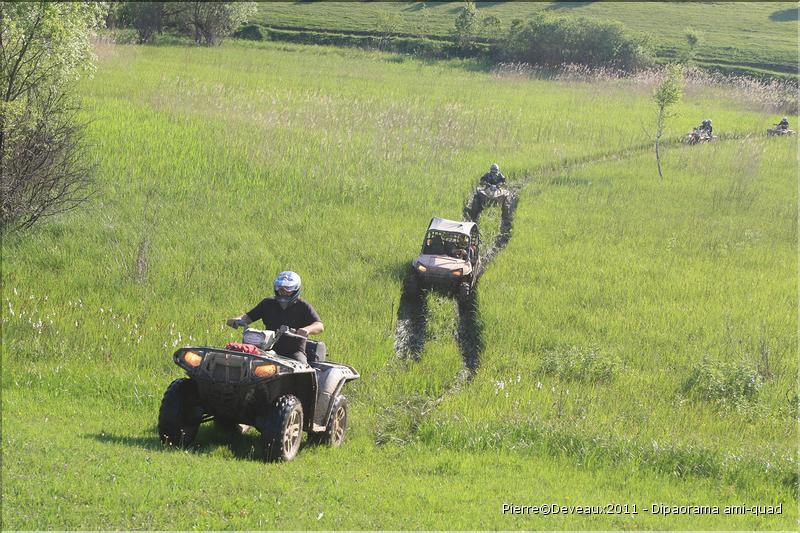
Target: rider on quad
{"points": [[493, 177], [783, 124], [285, 309], [705, 127]]}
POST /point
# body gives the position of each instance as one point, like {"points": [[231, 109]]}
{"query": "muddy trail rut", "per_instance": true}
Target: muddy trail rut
{"points": [[412, 316], [413, 312]]}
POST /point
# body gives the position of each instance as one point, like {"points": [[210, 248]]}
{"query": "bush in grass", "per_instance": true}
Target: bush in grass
{"points": [[579, 364], [251, 32], [724, 382], [555, 40], [43, 168]]}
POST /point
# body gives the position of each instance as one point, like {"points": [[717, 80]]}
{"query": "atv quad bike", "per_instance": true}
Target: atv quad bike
{"points": [[780, 131], [250, 384], [697, 136], [487, 195], [450, 257]]}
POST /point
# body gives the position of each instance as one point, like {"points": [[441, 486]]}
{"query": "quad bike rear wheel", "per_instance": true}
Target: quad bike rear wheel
{"points": [[180, 414], [336, 431], [282, 429]]}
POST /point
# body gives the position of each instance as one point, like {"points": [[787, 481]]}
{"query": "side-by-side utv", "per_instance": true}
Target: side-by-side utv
{"points": [[450, 256]]}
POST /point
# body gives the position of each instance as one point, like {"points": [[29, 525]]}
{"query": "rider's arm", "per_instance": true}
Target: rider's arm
{"points": [[314, 326], [232, 322], [312, 329]]}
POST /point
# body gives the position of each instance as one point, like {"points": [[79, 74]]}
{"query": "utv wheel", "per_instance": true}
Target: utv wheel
{"points": [[336, 431], [412, 284], [282, 429], [464, 291], [180, 414]]}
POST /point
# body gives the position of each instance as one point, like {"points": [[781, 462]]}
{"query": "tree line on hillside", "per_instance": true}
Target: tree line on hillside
{"points": [[207, 22], [544, 39], [552, 40]]}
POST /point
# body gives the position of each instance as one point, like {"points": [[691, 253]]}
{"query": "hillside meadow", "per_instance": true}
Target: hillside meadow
{"points": [[754, 37], [638, 335]]}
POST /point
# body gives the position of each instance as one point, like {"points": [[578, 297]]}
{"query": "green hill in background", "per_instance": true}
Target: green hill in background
{"points": [[740, 37]]}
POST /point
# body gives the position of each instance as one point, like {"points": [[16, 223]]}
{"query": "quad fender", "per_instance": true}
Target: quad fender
{"points": [[304, 387], [331, 377]]}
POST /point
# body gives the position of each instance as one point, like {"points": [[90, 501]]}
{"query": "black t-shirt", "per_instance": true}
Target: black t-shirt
{"points": [[298, 315], [493, 179]]}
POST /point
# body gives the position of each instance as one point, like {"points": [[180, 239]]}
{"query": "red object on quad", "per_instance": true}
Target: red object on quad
{"points": [[244, 348]]}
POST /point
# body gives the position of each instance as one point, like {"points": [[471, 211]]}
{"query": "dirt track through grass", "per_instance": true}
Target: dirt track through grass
{"points": [[413, 310]]}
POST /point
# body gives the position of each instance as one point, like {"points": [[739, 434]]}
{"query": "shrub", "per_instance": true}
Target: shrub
{"points": [[723, 382], [251, 32], [555, 40], [579, 364], [43, 169]]}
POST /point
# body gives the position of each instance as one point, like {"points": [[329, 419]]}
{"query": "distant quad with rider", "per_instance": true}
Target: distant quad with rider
{"points": [[491, 190], [701, 134], [274, 380], [781, 128], [450, 257]]}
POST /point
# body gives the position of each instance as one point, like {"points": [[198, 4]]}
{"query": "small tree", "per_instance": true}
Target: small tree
{"points": [[44, 47], [386, 25], [667, 93], [490, 25], [147, 18], [212, 21], [466, 26], [694, 39]]}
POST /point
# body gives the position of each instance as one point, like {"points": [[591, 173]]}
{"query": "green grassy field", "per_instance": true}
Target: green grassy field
{"points": [[640, 335], [757, 36]]}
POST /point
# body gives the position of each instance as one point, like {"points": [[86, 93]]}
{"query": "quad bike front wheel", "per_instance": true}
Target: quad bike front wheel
{"points": [[282, 429], [180, 414], [336, 429]]}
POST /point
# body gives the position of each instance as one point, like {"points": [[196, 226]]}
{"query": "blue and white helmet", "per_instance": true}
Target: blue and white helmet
{"points": [[287, 288], [494, 169]]}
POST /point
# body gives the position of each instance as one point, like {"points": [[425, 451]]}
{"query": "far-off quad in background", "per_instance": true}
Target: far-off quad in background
{"points": [[449, 258], [780, 131], [698, 136], [250, 384]]}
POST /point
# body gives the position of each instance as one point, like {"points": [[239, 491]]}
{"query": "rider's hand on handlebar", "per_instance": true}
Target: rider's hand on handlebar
{"points": [[302, 332], [283, 329], [236, 323]]}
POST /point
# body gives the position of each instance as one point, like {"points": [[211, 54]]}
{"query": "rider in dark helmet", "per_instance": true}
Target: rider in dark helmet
{"points": [[705, 127], [783, 124], [285, 309], [493, 177]]}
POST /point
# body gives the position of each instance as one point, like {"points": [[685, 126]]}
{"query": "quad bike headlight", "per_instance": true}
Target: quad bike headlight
{"points": [[421, 268], [192, 359], [265, 371], [457, 273]]}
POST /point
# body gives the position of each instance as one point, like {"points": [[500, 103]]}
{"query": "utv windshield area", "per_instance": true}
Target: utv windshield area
{"points": [[453, 238], [444, 243]]}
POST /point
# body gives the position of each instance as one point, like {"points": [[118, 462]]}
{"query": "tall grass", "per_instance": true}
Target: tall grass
{"points": [[220, 167]]}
